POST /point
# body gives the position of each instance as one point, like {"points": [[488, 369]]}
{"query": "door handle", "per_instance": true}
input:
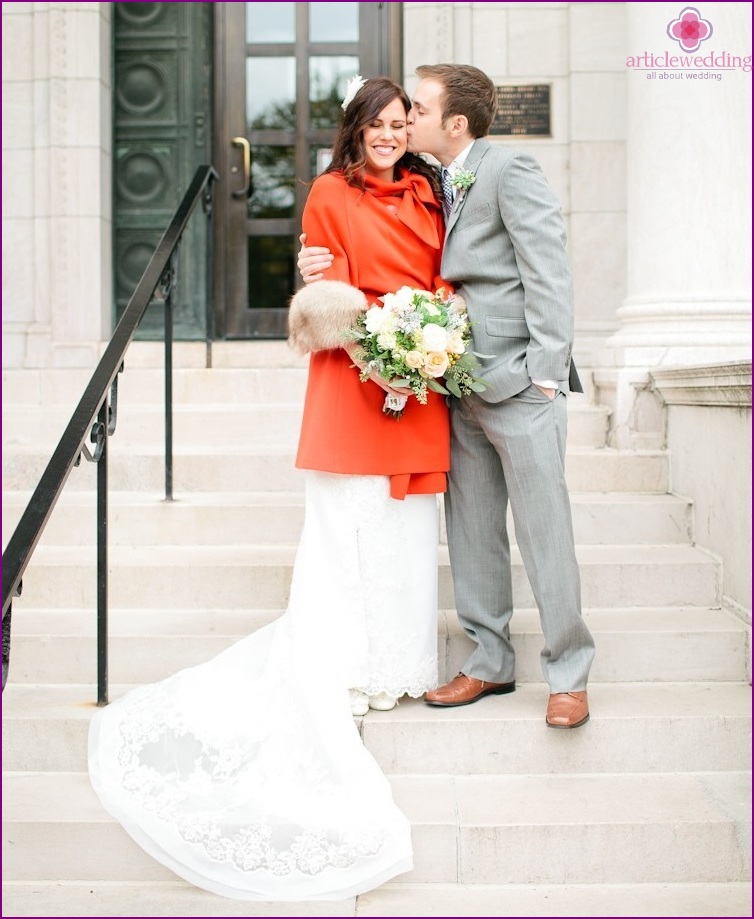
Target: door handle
{"points": [[244, 190]]}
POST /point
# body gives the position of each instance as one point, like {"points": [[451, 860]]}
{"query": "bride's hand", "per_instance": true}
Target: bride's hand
{"points": [[353, 350], [313, 261], [392, 390]]}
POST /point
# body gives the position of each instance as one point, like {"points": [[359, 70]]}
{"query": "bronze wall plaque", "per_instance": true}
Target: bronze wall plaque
{"points": [[523, 111]]}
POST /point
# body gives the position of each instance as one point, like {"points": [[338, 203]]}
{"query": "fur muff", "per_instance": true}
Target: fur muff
{"points": [[320, 314]]}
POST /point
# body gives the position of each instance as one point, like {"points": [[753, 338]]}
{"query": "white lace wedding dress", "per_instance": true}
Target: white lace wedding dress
{"points": [[246, 775]]}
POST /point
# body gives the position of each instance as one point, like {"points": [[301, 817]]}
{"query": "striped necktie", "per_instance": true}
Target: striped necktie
{"points": [[447, 192]]}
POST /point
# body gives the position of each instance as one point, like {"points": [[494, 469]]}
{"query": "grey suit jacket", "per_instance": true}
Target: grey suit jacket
{"points": [[505, 254]]}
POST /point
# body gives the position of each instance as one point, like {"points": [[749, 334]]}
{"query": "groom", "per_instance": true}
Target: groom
{"points": [[505, 255]]}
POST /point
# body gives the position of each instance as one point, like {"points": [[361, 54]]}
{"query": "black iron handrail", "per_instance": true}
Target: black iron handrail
{"points": [[95, 417]]}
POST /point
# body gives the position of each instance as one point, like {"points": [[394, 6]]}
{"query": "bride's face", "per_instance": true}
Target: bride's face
{"points": [[386, 140]]}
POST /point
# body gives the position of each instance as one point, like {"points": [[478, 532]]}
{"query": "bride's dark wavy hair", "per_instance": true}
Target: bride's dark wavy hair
{"points": [[349, 155]]}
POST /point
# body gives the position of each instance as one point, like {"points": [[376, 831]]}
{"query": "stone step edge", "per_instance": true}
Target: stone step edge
{"points": [[288, 452], [67, 807], [726, 699], [83, 497], [255, 553], [136, 409], [160, 622], [173, 898]]}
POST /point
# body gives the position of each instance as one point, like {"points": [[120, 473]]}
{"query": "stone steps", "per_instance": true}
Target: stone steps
{"points": [[252, 381], [230, 467], [278, 423], [177, 577], [262, 371], [277, 517], [619, 828], [656, 645], [176, 898], [644, 811], [635, 727], [519, 900]]}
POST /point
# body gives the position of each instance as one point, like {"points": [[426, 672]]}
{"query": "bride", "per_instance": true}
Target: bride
{"points": [[246, 775]]}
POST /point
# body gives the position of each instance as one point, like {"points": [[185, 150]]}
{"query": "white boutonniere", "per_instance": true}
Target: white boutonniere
{"points": [[463, 179]]}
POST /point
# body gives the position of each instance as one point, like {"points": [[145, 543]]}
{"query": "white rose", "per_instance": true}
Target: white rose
{"points": [[434, 337], [414, 359], [386, 341], [436, 363], [404, 297], [399, 303], [455, 343], [375, 319]]}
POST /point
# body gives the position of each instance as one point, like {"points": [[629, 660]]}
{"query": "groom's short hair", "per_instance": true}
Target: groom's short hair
{"points": [[467, 91]]}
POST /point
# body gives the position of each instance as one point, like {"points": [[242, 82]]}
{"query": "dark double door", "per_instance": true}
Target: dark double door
{"points": [[254, 88]]}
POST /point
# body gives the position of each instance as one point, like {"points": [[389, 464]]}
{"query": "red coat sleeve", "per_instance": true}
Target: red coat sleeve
{"points": [[325, 223]]}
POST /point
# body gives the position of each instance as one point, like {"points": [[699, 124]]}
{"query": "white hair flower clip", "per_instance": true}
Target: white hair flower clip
{"points": [[352, 87]]}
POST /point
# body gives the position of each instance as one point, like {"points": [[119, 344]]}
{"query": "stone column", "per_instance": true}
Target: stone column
{"points": [[57, 278], [688, 209]]}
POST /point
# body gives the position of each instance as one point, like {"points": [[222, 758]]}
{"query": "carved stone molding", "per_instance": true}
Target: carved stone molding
{"points": [[445, 31], [723, 384]]}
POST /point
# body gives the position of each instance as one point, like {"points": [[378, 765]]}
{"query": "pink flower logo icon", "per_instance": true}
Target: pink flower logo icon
{"points": [[689, 30]]}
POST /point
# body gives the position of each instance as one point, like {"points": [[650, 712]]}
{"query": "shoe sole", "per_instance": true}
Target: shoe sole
{"points": [[499, 691], [567, 727]]}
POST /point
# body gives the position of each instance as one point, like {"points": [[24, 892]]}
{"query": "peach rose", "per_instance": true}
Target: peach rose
{"points": [[436, 363]]}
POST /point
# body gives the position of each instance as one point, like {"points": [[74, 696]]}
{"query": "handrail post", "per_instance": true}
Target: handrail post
{"points": [[103, 431], [209, 311], [6, 634], [167, 286]]}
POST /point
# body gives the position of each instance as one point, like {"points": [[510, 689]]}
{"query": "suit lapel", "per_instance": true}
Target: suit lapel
{"points": [[476, 154]]}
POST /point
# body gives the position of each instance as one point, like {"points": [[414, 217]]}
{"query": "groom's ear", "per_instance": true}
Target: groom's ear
{"points": [[458, 125]]}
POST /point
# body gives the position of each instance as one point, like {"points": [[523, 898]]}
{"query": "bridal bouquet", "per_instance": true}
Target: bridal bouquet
{"points": [[420, 340]]}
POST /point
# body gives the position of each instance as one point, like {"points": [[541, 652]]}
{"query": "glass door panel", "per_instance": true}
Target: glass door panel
{"points": [[334, 22], [270, 22], [270, 93], [328, 77]]}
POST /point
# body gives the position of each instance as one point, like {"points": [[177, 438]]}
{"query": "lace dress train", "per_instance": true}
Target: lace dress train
{"points": [[246, 775]]}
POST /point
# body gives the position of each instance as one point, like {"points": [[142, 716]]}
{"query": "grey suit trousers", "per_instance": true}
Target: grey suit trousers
{"points": [[514, 451]]}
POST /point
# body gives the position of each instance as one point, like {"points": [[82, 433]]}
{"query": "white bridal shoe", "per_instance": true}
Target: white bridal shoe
{"points": [[382, 702], [359, 702]]}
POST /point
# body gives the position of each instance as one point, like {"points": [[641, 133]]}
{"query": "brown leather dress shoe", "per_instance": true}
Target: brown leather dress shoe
{"points": [[466, 689], [567, 709]]}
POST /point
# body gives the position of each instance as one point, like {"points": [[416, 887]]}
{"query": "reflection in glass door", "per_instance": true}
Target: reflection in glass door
{"points": [[286, 66]]}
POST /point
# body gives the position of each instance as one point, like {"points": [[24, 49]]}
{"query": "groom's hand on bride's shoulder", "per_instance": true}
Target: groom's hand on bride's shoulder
{"points": [[313, 261]]}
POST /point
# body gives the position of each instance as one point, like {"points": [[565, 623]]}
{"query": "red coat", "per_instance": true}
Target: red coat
{"points": [[382, 239]]}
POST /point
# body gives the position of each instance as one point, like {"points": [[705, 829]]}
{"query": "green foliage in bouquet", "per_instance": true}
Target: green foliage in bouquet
{"points": [[420, 340]]}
